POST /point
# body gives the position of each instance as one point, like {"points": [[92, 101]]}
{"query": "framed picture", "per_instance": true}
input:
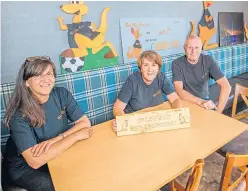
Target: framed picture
{"points": [[231, 28], [163, 35]]}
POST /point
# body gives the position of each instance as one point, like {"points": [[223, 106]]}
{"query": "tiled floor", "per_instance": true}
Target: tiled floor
{"points": [[212, 172]]}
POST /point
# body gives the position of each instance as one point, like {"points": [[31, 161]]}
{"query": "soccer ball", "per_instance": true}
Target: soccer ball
{"points": [[72, 64]]}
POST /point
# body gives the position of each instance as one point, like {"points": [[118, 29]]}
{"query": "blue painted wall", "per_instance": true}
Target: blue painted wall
{"points": [[31, 28]]}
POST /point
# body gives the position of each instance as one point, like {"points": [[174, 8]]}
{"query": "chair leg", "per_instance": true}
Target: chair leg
{"points": [[241, 116], [220, 152], [171, 186], [175, 186]]}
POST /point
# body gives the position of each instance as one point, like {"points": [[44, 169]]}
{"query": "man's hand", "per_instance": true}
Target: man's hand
{"points": [[209, 105], [219, 110]]}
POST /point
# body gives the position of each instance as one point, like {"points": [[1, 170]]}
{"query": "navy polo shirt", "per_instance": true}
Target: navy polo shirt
{"points": [[195, 77], [138, 95], [23, 136]]}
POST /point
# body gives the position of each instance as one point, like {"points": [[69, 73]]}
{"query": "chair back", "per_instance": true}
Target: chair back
{"points": [[193, 181], [195, 176], [243, 91], [231, 161]]}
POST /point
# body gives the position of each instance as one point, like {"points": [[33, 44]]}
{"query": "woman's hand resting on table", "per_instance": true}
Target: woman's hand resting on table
{"points": [[44, 146], [114, 126]]}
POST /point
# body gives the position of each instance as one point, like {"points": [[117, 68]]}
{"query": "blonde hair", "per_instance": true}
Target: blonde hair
{"points": [[151, 56]]}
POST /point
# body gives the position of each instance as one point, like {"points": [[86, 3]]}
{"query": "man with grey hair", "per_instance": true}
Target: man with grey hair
{"points": [[191, 75]]}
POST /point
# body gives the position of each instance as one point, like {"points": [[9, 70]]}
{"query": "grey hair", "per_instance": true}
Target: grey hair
{"points": [[192, 37]]}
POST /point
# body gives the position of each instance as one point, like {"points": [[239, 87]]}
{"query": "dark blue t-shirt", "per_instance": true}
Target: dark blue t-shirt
{"points": [[138, 95], [23, 136], [195, 77], [82, 28]]}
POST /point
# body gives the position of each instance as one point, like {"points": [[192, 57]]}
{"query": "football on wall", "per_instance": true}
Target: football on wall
{"points": [[69, 65]]}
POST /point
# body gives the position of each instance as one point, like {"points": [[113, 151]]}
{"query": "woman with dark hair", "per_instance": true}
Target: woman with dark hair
{"points": [[37, 116]]}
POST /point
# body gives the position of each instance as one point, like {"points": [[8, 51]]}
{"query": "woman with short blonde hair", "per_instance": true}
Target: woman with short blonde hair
{"points": [[151, 56]]}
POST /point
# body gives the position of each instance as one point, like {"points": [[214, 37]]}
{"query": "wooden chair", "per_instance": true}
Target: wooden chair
{"points": [[193, 181], [243, 91], [231, 161]]}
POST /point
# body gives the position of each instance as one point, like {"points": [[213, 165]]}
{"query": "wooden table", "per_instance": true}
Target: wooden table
{"points": [[143, 162]]}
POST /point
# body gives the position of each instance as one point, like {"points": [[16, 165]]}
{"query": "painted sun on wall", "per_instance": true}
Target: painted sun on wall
{"points": [[231, 28], [88, 47]]}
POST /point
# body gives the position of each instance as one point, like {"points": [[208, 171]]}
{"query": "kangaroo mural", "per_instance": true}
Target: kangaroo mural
{"points": [[85, 40], [136, 48], [206, 27]]}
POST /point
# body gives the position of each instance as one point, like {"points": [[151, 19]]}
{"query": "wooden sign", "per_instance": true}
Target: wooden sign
{"points": [[144, 122]]}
